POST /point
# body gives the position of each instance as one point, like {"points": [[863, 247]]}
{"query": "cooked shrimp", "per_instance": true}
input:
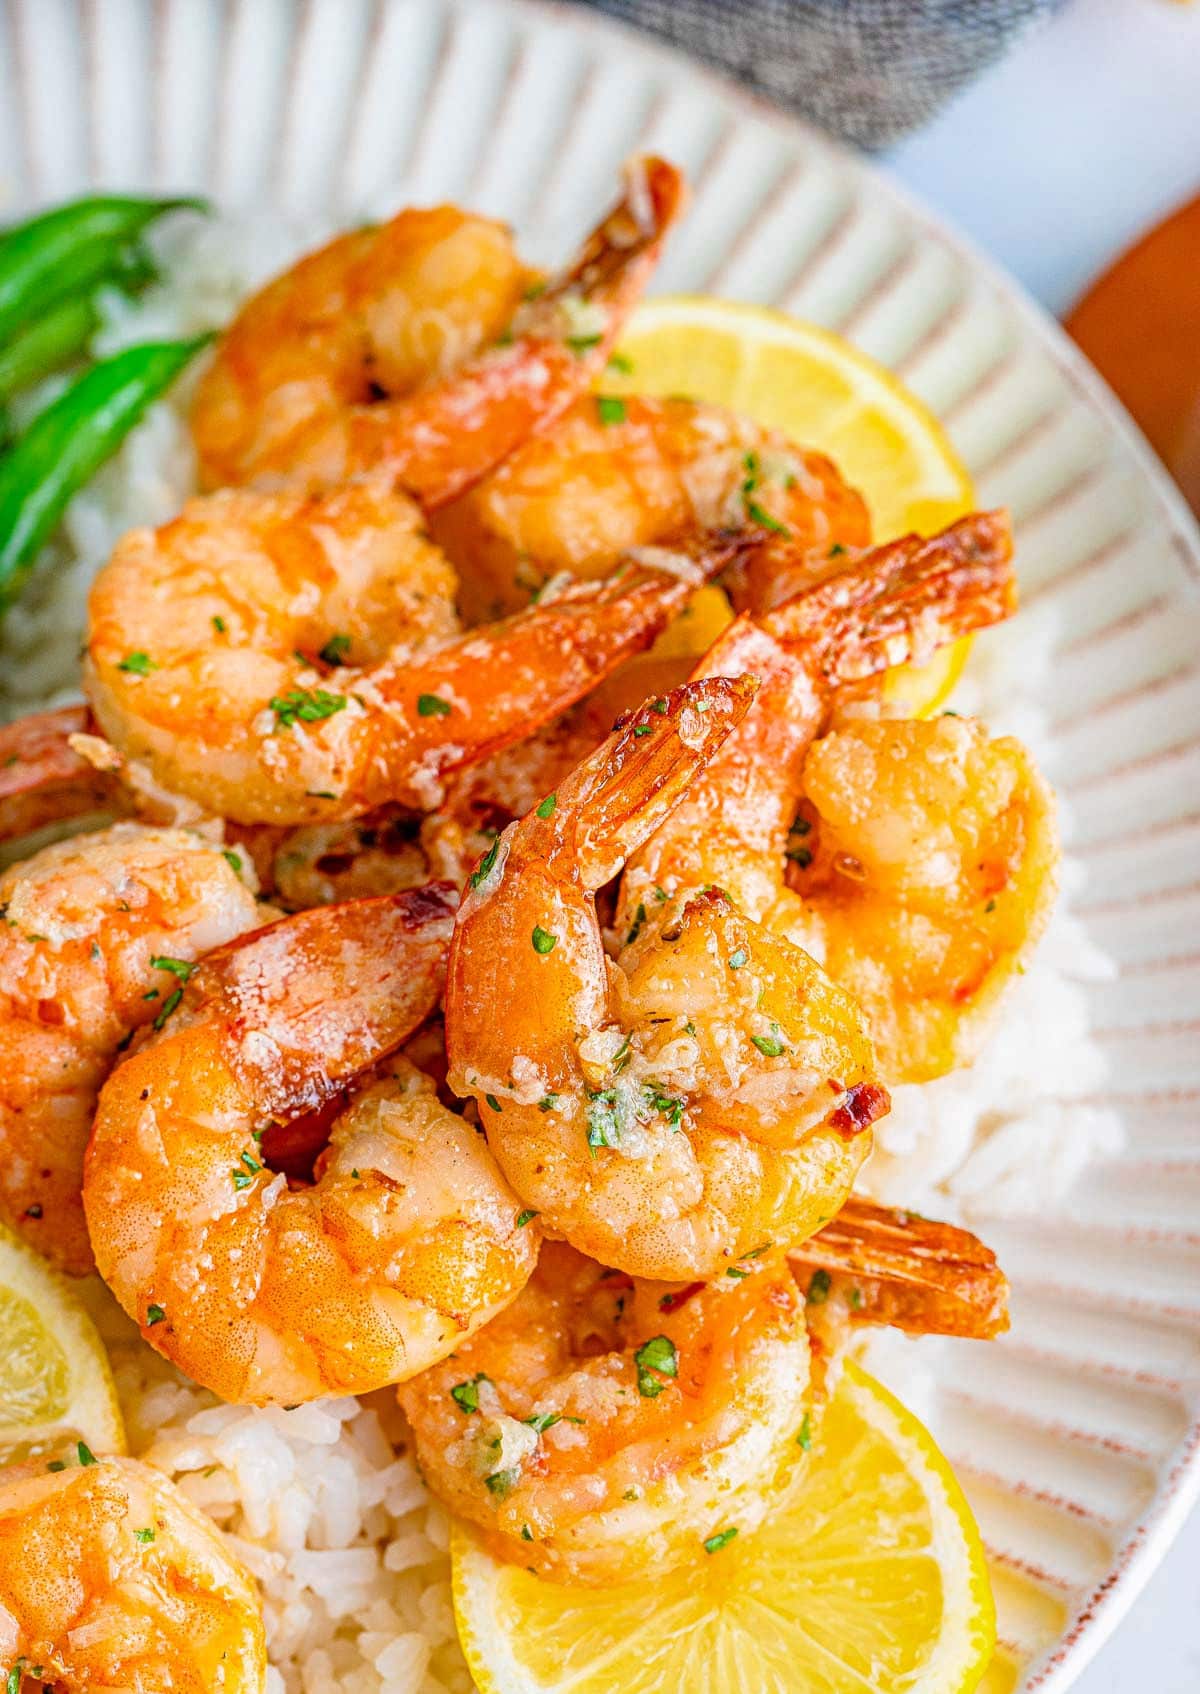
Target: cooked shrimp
{"points": [[881, 1264], [933, 867], [370, 316], [436, 441], [613, 474], [43, 781], [896, 603], [407, 1239], [111, 1579], [604, 1424], [287, 659], [99, 933], [671, 1117]]}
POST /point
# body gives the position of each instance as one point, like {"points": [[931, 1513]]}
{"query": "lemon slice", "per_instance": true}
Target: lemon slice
{"points": [[55, 1384], [822, 393], [869, 1577]]}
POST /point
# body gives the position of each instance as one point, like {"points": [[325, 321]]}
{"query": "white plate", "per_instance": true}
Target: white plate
{"points": [[1078, 1436]]}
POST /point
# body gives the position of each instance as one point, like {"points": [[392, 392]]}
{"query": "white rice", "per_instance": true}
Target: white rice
{"points": [[322, 1503]]}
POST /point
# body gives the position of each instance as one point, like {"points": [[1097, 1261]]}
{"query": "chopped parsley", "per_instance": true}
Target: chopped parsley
{"points": [[818, 1288], [485, 866], [493, 1102], [86, 1456], [335, 650], [736, 1271], [543, 1420], [668, 1104], [466, 1394], [145, 1536], [990, 907], [154, 1314], [721, 1539], [526, 1532], [182, 968], [836, 551], [547, 1102], [635, 929], [233, 860], [304, 705], [801, 856], [620, 362], [525, 1217], [502, 1482], [854, 1298], [546, 809], [543, 941], [603, 1120], [168, 1006], [738, 959], [754, 510], [769, 1045], [581, 344], [219, 624], [655, 1359], [610, 409], [640, 729], [433, 706], [137, 664], [804, 1439], [13, 1682]]}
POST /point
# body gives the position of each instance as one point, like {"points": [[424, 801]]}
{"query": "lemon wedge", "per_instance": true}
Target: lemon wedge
{"points": [[822, 393], [868, 1576], [56, 1384]]}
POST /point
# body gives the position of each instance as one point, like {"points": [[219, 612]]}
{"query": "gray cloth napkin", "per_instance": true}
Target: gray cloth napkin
{"points": [[867, 70]]}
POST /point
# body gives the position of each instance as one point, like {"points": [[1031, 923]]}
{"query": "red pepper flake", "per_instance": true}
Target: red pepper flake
{"points": [[681, 1296], [865, 1102]]}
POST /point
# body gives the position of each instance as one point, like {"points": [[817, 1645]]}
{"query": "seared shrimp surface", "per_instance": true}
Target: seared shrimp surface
{"points": [[406, 1239], [110, 1578], [290, 659], [669, 1117], [933, 872], [370, 316], [439, 439], [613, 474], [605, 1424], [100, 933]]}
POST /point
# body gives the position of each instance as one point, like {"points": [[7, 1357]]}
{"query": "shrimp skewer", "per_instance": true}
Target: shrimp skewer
{"points": [[673, 1116], [406, 1240], [604, 1424], [440, 439], [99, 933], [110, 1578]]}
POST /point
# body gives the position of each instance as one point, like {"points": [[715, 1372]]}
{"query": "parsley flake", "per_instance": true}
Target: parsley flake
{"points": [[768, 1045], [525, 1217], [738, 959], [818, 1288], [433, 706], [86, 1456], [543, 941], [154, 1314], [610, 409], [145, 1536], [485, 866], [546, 809], [654, 1359], [493, 1103], [304, 705], [137, 664], [502, 1482], [466, 1394], [804, 1439], [335, 650], [721, 1539]]}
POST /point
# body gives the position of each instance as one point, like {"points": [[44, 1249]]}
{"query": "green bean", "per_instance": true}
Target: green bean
{"points": [[65, 251], [65, 445], [62, 335], [47, 345]]}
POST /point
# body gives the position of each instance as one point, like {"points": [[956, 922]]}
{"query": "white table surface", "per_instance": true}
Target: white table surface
{"points": [[1052, 163]]}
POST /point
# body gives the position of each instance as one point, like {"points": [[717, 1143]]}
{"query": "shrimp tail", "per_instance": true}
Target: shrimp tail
{"points": [[440, 441], [889, 1266], [898, 603], [619, 796], [530, 668], [318, 997]]}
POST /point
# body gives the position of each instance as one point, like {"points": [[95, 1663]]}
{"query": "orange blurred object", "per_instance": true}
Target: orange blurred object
{"points": [[1140, 327]]}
